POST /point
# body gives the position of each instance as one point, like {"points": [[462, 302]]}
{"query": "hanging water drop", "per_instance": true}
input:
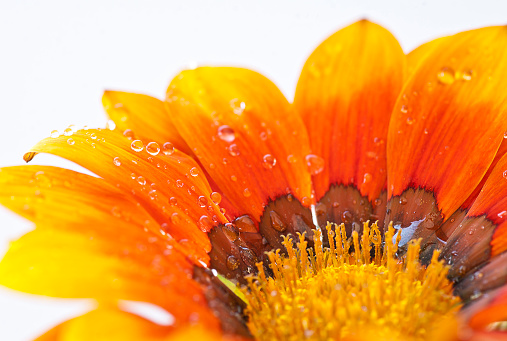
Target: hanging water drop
{"points": [[268, 161], [168, 148]]}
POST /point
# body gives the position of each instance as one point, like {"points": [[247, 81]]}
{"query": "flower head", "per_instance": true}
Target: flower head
{"points": [[375, 204]]}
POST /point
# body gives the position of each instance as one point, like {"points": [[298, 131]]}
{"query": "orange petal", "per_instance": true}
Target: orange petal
{"points": [[482, 234], [448, 125], [499, 154], [107, 324], [66, 199], [488, 309], [146, 116], [420, 53], [82, 264], [171, 188], [345, 95], [242, 129]]}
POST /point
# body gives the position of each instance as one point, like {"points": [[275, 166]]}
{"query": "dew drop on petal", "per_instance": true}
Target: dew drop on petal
{"points": [[410, 120], [268, 161], [152, 148], [68, 131], [129, 134], [467, 75], [175, 218], [216, 197], [202, 201], [194, 171], [232, 263], [404, 109], [93, 136], [504, 174], [179, 183], [237, 106], [226, 133], [234, 150], [291, 159], [137, 145], [446, 76], [55, 133], [234, 178], [168, 148], [116, 161], [367, 178], [205, 222], [246, 193], [71, 141], [315, 164], [141, 180], [111, 125]]}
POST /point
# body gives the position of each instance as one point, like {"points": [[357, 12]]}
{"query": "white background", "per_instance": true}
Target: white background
{"points": [[56, 58]]}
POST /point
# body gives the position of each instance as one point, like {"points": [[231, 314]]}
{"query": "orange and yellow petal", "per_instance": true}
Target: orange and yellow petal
{"points": [[64, 263], [345, 95], [244, 133], [146, 117], [448, 123], [170, 186]]}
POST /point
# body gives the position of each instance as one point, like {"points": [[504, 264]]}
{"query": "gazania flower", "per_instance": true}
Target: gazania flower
{"points": [[373, 205]]}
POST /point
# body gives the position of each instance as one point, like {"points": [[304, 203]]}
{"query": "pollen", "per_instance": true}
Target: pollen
{"points": [[356, 287]]}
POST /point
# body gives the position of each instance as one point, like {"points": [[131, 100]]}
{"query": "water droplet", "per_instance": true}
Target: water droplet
{"points": [[245, 224], [152, 194], [237, 106], [403, 201], [153, 148], [268, 161], [129, 134], [226, 133], [141, 180], [202, 201], [306, 201], [378, 202], [55, 134], [291, 159], [232, 263], [502, 214], [467, 75], [263, 136], [315, 164], [446, 76], [110, 125], [93, 136], [234, 178], [68, 132], [71, 141], [173, 201], [276, 222], [115, 211], [206, 223], [234, 150], [175, 218], [137, 145], [168, 148], [504, 174], [216, 197], [194, 171], [404, 109], [346, 217], [230, 231], [116, 161], [367, 178], [179, 183], [246, 193], [410, 120]]}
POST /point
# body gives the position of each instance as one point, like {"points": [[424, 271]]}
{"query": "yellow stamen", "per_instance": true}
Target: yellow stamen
{"points": [[331, 293]]}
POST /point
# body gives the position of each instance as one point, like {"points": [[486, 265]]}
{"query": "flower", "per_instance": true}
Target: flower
{"points": [[196, 193]]}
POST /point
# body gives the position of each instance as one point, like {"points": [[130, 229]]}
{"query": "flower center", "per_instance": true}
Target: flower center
{"points": [[354, 287]]}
